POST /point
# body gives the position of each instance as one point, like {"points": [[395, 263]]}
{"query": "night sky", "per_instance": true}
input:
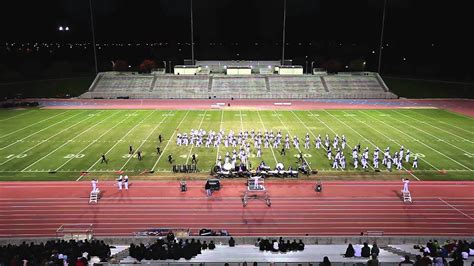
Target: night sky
{"points": [[235, 20], [435, 32]]}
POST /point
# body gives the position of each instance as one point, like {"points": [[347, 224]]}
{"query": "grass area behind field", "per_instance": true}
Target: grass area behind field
{"points": [[60, 144], [418, 88], [47, 88]]}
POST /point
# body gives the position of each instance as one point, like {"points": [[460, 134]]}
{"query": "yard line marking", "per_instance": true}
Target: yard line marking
{"points": [[460, 128], [15, 116], [192, 146], [410, 173], [264, 128], [419, 142], [432, 134], [143, 142], [461, 212], [220, 129], [68, 142], [119, 141], [167, 143], [434, 126], [41, 142], [241, 121], [32, 125], [375, 146], [22, 139], [292, 138]]}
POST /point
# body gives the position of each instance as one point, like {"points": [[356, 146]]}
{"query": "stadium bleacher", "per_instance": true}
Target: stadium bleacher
{"points": [[238, 87], [365, 85]]}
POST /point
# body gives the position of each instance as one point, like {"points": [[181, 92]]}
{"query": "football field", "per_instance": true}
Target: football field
{"points": [[61, 144]]}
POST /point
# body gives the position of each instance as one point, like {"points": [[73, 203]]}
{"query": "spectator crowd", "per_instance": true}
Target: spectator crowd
{"points": [[280, 245], [170, 249], [436, 253], [59, 252]]}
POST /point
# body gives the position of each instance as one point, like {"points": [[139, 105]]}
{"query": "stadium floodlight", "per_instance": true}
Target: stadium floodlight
{"points": [[66, 29], [61, 28]]}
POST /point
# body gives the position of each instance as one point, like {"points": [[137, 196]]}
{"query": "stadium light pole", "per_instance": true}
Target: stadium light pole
{"points": [[381, 37], [306, 65], [192, 33], [284, 28], [93, 37]]}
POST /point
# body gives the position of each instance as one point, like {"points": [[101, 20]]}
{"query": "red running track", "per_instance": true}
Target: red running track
{"points": [[342, 208]]}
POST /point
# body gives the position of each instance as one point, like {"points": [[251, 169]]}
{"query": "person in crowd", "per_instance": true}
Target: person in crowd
{"points": [[212, 245], [294, 245], [365, 251], [374, 261], [375, 250], [439, 261], [275, 246], [349, 251], [357, 251], [426, 260], [325, 262], [231, 242], [300, 245], [457, 261], [406, 261], [257, 243]]}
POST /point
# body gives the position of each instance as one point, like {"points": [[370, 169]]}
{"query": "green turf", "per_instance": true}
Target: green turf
{"points": [[35, 142]]}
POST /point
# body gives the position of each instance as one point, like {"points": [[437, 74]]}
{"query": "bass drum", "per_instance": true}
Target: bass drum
{"points": [[216, 169]]}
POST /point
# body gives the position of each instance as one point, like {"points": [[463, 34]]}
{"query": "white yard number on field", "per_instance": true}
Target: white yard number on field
{"points": [[73, 156], [17, 156], [468, 154], [421, 155]]}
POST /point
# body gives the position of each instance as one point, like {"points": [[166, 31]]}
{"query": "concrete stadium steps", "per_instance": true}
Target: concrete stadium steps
{"points": [[225, 87], [124, 83], [112, 85]]}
